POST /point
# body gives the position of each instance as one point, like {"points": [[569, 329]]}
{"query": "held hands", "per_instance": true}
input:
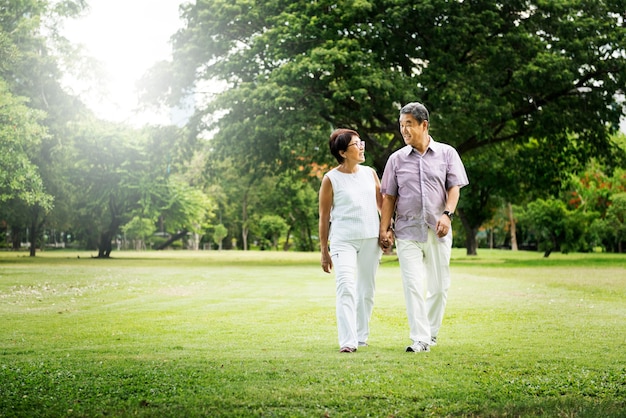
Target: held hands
{"points": [[386, 240]]}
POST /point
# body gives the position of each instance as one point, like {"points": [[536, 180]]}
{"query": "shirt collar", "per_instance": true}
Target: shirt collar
{"points": [[432, 145]]}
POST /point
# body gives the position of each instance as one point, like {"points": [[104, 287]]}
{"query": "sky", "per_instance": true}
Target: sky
{"points": [[127, 37]]}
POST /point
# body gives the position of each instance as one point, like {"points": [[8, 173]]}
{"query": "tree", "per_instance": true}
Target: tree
{"points": [[237, 189], [111, 181], [220, 232], [22, 193], [556, 228], [491, 73], [272, 227], [293, 197], [600, 188], [30, 70], [593, 189], [615, 221], [20, 132], [184, 209], [611, 229], [138, 230]]}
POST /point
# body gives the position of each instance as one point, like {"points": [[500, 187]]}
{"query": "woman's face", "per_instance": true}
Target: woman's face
{"points": [[355, 151]]}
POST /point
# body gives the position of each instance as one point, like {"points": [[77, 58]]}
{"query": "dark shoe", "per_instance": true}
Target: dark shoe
{"points": [[347, 350]]}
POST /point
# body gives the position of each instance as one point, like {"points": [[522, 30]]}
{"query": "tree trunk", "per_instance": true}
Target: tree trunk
{"points": [[105, 242], [286, 245], [104, 245], [244, 219], [555, 246], [35, 227], [178, 235], [33, 237], [512, 227], [16, 238], [471, 245]]}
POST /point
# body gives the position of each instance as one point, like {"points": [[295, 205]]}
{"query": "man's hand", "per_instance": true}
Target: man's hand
{"points": [[385, 240], [444, 224]]}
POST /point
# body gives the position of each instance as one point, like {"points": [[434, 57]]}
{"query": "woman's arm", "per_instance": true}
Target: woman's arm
{"points": [[325, 204]]}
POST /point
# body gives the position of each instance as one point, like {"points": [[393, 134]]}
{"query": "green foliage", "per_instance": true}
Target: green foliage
{"points": [[219, 233], [593, 188], [294, 199], [535, 80], [490, 73], [120, 173], [271, 228], [20, 133], [616, 216], [612, 228], [184, 206], [557, 228], [8, 51], [30, 68], [139, 228]]}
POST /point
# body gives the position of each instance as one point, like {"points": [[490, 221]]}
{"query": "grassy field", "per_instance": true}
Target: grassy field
{"points": [[234, 334]]}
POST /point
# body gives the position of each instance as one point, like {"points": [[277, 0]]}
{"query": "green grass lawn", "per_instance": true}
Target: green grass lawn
{"points": [[238, 334]]}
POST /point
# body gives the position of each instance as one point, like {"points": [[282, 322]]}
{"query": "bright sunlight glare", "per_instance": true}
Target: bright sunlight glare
{"points": [[126, 37]]}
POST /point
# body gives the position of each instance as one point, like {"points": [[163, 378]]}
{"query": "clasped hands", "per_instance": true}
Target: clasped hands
{"points": [[386, 240]]}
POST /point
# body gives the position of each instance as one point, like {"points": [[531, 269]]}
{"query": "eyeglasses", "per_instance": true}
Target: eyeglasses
{"points": [[359, 144]]}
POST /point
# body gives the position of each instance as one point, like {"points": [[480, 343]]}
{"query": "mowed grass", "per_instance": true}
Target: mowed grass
{"points": [[253, 334]]}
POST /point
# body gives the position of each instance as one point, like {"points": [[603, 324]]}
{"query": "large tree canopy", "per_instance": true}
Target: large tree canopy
{"points": [[35, 110], [20, 131], [541, 77], [489, 71]]}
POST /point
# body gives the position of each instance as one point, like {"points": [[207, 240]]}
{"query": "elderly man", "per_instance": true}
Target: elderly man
{"points": [[421, 183]]}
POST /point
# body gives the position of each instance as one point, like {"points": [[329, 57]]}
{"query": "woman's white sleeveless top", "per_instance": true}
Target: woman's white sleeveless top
{"points": [[354, 213]]}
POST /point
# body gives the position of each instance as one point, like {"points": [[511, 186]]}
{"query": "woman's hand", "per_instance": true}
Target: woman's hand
{"points": [[327, 262], [386, 240]]}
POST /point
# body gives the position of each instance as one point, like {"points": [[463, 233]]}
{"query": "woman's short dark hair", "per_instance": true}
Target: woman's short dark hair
{"points": [[339, 141]]}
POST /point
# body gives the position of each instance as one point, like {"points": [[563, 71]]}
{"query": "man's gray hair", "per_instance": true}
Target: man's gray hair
{"points": [[418, 110]]}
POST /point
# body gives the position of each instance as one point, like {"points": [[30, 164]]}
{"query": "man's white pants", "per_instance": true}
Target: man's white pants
{"points": [[425, 270], [355, 263]]}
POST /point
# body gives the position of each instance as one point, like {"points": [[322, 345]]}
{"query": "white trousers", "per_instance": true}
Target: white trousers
{"points": [[355, 263], [425, 270]]}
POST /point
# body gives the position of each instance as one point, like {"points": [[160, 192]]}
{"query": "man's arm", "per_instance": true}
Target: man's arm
{"points": [[444, 224]]}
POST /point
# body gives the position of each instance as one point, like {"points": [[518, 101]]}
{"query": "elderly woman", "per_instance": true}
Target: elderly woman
{"points": [[350, 201]]}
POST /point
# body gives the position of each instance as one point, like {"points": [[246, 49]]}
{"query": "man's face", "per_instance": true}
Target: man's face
{"points": [[412, 131]]}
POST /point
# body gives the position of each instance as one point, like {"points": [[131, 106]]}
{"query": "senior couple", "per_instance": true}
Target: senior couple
{"points": [[421, 187]]}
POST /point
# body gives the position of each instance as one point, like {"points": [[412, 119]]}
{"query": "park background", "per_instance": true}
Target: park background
{"points": [[133, 281], [531, 94]]}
